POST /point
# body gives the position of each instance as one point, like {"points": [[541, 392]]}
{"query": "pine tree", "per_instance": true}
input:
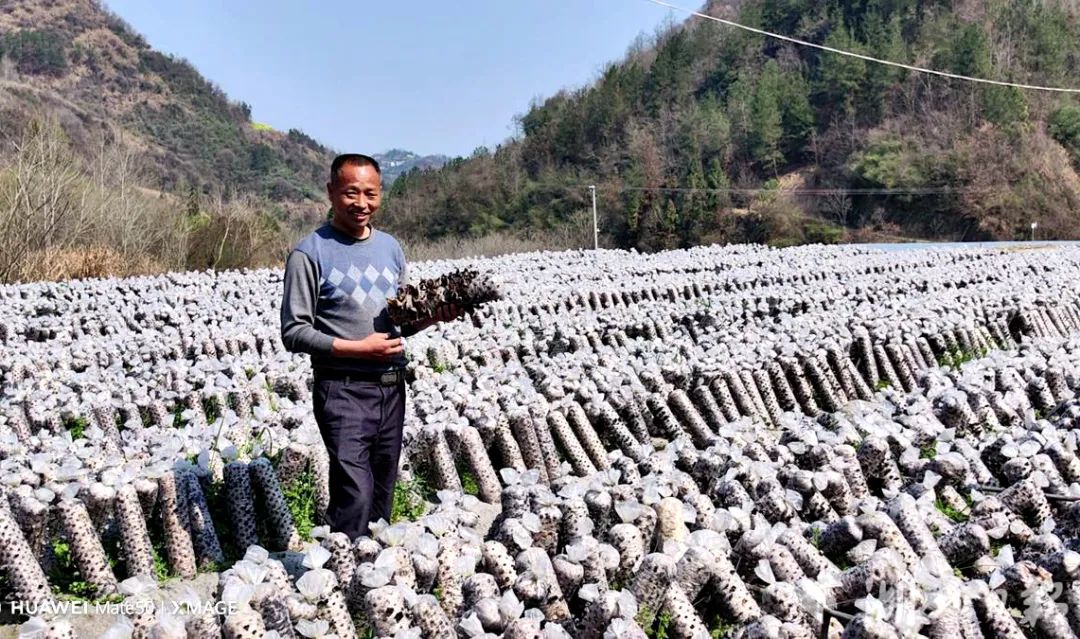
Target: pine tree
{"points": [[670, 224], [191, 201], [1004, 106], [797, 115], [693, 207], [886, 41], [766, 119], [841, 76], [971, 52], [1065, 128], [633, 213], [715, 179]]}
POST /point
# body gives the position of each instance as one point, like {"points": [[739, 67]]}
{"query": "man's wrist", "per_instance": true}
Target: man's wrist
{"points": [[346, 348]]}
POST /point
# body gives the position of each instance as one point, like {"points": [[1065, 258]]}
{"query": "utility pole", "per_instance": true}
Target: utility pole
{"points": [[1034, 225], [595, 228]]}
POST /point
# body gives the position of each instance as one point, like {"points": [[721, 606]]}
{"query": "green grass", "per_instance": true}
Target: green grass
{"points": [[469, 485], [66, 581], [411, 497], [248, 447], [215, 566], [957, 516], [364, 629], [929, 451], [271, 395], [410, 500], [655, 626], [260, 126], [76, 426], [217, 503], [178, 421], [663, 622], [815, 537], [468, 480], [439, 367], [882, 385], [720, 627], [250, 372], [64, 577], [300, 497], [212, 409], [275, 457], [645, 619], [162, 571], [956, 358]]}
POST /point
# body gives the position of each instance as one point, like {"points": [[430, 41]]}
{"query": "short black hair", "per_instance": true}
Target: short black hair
{"points": [[352, 159]]}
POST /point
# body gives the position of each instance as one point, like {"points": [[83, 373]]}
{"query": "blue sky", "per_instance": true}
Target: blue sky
{"points": [[431, 76]]}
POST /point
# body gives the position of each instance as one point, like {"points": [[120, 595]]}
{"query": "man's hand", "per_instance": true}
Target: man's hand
{"points": [[378, 346]]}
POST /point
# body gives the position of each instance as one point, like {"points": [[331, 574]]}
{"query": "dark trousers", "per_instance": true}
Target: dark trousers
{"points": [[361, 426]]}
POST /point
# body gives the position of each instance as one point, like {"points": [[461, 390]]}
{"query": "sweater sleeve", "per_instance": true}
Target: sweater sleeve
{"points": [[298, 332]]}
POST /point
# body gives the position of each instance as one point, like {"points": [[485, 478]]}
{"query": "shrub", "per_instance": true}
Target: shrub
{"points": [[36, 52], [816, 232], [1065, 128], [87, 219]]}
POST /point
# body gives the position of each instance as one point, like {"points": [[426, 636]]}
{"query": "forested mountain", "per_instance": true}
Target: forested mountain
{"points": [[706, 106], [75, 60]]}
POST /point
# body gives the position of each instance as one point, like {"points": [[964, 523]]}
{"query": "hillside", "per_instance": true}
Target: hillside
{"points": [[78, 62], [705, 106]]}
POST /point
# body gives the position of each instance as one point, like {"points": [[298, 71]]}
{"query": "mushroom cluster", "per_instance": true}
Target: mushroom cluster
{"points": [[465, 288], [737, 441]]}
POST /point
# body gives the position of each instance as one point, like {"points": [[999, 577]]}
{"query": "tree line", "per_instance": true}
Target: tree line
{"points": [[735, 121]]}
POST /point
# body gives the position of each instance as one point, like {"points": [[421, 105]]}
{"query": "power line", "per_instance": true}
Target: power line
{"points": [[899, 65], [737, 191]]}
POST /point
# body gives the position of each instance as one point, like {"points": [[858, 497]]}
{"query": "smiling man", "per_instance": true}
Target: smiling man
{"points": [[337, 281]]}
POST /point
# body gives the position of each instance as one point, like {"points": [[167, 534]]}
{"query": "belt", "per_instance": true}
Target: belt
{"points": [[386, 378]]}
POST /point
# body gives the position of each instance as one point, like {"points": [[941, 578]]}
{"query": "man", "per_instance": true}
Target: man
{"points": [[337, 281]]}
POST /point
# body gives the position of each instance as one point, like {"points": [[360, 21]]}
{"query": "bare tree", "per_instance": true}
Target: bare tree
{"points": [[836, 207], [37, 195]]}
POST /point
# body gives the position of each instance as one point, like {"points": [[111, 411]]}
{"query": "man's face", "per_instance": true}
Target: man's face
{"points": [[355, 196]]}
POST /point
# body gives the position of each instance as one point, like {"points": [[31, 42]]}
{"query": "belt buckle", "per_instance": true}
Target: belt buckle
{"points": [[388, 378]]}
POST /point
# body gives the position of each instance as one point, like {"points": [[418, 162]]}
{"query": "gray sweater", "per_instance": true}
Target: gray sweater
{"points": [[337, 286]]}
